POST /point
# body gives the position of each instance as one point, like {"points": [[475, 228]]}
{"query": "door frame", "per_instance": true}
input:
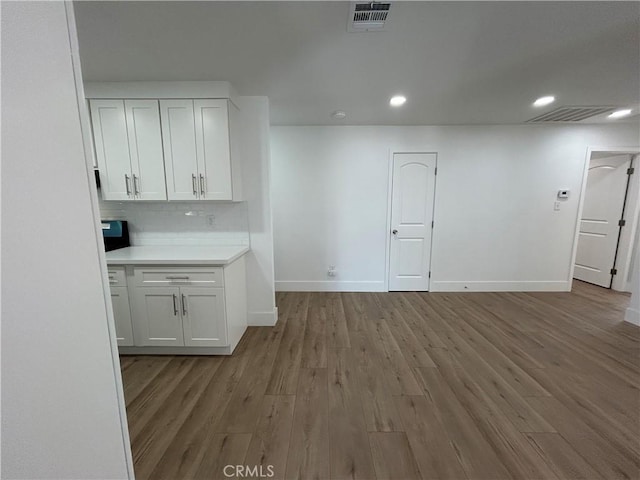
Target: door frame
{"points": [[632, 211], [387, 254]]}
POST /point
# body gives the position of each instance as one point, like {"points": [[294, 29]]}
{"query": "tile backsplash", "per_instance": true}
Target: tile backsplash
{"points": [[181, 223]]}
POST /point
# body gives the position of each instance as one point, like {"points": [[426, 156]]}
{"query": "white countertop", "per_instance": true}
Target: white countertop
{"points": [[175, 255]]}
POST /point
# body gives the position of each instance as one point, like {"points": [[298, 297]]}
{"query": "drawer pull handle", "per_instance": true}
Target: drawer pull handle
{"points": [[127, 185], [175, 304], [202, 187], [177, 278]]}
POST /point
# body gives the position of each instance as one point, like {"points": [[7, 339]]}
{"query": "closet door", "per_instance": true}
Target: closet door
{"points": [[212, 142], [179, 140], [145, 147], [112, 149]]}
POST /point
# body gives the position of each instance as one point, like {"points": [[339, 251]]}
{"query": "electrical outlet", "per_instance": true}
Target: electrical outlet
{"points": [[332, 271], [211, 221]]}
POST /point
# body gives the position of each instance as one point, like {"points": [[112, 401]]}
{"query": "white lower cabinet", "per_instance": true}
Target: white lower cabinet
{"points": [[179, 316], [203, 317], [175, 310], [157, 317], [122, 316]]}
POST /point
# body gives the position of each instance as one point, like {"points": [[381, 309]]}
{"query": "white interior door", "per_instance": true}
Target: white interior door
{"points": [[602, 210], [179, 139], [212, 147], [412, 200], [112, 148], [204, 316], [145, 146]]}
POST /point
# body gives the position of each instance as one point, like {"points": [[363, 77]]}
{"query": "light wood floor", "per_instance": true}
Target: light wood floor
{"points": [[403, 385]]}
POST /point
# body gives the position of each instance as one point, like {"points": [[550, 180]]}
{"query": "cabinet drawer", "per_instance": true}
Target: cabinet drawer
{"points": [[162, 277], [117, 277]]}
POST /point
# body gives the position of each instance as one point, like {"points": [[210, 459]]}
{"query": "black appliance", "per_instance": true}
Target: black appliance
{"points": [[115, 234]]}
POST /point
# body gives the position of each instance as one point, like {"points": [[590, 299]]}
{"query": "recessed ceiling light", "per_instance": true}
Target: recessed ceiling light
{"points": [[543, 101], [339, 115], [397, 101], [620, 113]]}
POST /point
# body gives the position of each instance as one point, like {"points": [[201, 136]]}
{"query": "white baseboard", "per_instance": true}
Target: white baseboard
{"points": [[501, 286], [263, 319], [329, 286], [632, 315]]}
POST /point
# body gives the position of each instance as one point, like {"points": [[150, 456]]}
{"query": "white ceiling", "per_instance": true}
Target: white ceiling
{"points": [[456, 62]]}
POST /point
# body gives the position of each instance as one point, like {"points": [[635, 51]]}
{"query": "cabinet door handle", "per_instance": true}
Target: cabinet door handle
{"points": [[175, 304], [193, 184], [184, 305], [127, 184], [136, 190], [185, 277], [202, 185]]}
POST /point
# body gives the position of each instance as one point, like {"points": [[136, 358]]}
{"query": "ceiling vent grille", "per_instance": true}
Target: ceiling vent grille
{"points": [[368, 17], [570, 114]]}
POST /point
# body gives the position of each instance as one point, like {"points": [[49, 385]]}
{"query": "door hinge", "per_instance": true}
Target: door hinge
{"points": [[435, 172], [431, 223], [622, 223], [429, 273], [630, 170], [614, 271]]}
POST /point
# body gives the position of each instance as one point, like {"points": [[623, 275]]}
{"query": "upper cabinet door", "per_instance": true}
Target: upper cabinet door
{"points": [[179, 140], [212, 146], [112, 149], [145, 147]]}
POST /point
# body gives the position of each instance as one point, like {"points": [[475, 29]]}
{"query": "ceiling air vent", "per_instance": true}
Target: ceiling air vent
{"points": [[368, 17], [570, 114]]}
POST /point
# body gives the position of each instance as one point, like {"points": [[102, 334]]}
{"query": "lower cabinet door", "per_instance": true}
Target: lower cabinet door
{"points": [[203, 316], [157, 316], [122, 316]]}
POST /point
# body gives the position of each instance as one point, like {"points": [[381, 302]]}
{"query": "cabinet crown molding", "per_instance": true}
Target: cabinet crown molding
{"points": [[159, 90]]}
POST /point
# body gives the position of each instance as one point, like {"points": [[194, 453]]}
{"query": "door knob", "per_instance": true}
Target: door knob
{"points": [[395, 232]]}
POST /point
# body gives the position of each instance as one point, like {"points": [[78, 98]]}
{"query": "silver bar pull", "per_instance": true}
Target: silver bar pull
{"points": [[185, 277], [184, 305], [126, 182], [193, 184], [136, 190], [202, 185], [175, 304]]}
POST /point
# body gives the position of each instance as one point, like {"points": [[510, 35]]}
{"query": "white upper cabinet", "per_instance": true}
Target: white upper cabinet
{"points": [[198, 151], [213, 149], [179, 139], [167, 140], [112, 148], [145, 147], [128, 143]]}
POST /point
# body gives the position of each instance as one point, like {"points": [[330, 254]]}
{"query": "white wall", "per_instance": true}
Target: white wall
{"points": [[256, 185], [495, 227], [61, 414]]}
